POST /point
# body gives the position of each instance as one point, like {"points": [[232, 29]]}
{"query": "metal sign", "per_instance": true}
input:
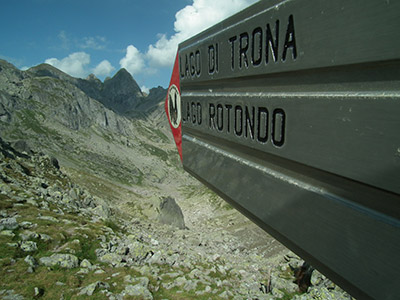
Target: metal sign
{"points": [[291, 112]]}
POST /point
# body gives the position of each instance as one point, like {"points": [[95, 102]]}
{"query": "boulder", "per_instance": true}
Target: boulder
{"points": [[90, 289], [9, 223], [28, 246], [139, 290], [54, 162], [170, 213], [31, 261], [68, 261], [22, 146], [111, 258]]}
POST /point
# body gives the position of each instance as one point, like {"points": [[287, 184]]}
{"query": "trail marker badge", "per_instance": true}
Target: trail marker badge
{"points": [[173, 106]]}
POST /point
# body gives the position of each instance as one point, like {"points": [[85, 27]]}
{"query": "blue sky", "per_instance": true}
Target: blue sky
{"points": [[98, 36]]}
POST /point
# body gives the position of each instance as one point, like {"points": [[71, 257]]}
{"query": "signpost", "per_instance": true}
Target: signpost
{"points": [[290, 111]]}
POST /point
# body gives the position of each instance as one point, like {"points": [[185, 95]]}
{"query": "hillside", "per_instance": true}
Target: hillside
{"points": [[109, 175]]}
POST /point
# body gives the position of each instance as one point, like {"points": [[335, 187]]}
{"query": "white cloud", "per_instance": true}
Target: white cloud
{"points": [[103, 69], [145, 89], [65, 41], [96, 43], [74, 64], [133, 61], [189, 21]]}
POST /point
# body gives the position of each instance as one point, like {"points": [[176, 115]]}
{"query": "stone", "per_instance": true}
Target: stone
{"points": [[138, 251], [11, 295], [28, 246], [111, 258], [85, 264], [102, 211], [190, 285], [90, 289], [180, 281], [28, 235], [44, 237], [9, 223], [8, 233], [54, 162], [278, 293], [38, 292], [32, 202], [48, 218], [31, 261], [224, 295], [68, 261], [170, 213], [27, 225], [139, 291]]}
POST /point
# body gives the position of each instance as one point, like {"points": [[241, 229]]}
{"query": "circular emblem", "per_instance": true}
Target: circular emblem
{"points": [[174, 106]]}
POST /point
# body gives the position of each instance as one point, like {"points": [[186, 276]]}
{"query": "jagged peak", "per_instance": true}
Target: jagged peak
{"points": [[92, 77], [123, 73], [124, 82]]}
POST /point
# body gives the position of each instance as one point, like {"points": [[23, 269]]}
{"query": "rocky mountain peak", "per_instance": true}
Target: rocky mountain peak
{"points": [[122, 83], [121, 93], [92, 77], [44, 69]]}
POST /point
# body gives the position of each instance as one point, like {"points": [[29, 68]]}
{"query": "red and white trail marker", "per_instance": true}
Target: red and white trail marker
{"points": [[173, 107]]}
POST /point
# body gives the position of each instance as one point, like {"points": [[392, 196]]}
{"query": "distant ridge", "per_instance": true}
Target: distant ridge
{"points": [[121, 93]]}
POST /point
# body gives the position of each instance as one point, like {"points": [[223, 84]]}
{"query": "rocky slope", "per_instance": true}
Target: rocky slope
{"points": [[65, 243], [109, 199]]}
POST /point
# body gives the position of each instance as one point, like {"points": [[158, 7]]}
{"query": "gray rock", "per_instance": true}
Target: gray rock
{"points": [[190, 285], [85, 264], [180, 281], [90, 289], [38, 292], [102, 211], [28, 246], [22, 146], [224, 295], [170, 213], [54, 162], [28, 235], [138, 251], [111, 258], [68, 261], [31, 261], [48, 218], [322, 293], [32, 202], [9, 223], [7, 233], [138, 290], [26, 225], [11, 295], [44, 237]]}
